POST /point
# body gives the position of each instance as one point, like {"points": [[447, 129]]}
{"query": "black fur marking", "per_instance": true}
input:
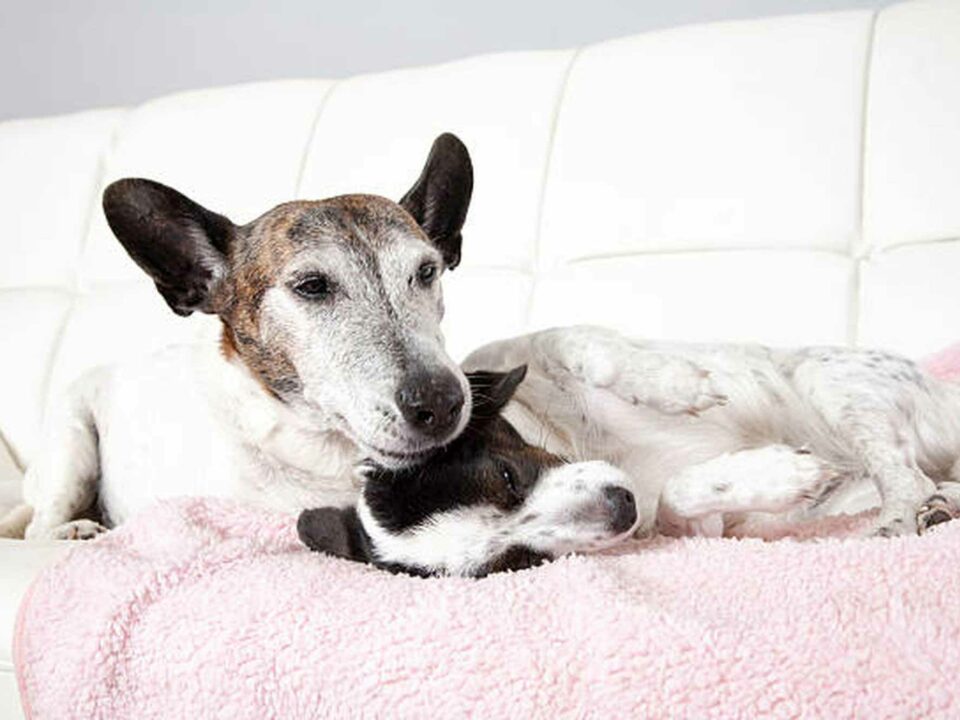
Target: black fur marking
{"points": [[516, 557]]}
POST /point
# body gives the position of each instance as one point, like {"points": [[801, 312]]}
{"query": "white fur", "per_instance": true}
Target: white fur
{"points": [[770, 479], [184, 421], [454, 542], [681, 418]]}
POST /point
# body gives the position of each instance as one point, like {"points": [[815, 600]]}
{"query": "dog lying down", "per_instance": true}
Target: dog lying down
{"points": [[707, 440], [485, 503]]}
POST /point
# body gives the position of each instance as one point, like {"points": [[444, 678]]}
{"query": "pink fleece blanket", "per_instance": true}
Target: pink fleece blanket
{"points": [[210, 609]]}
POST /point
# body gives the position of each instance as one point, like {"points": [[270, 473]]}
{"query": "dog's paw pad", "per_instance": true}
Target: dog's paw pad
{"points": [[78, 530], [935, 511]]}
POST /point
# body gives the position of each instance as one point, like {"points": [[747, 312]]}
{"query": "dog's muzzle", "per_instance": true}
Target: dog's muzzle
{"points": [[431, 403], [621, 508]]}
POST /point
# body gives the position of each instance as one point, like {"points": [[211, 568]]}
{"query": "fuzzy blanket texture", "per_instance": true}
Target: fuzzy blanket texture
{"points": [[207, 608]]}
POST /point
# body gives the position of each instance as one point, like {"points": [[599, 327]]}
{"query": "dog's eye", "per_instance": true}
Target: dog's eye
{"points": [[314, 287], [510, 480], [426, 274]]}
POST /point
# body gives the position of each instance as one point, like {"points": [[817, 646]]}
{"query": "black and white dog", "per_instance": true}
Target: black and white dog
{"points": [[707, 438], [488, 501]]}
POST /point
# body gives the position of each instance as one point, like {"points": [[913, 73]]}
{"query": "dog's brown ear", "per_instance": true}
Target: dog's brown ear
{"points": [[438, 201], [491, 391], [178, 243], [335, 531]]}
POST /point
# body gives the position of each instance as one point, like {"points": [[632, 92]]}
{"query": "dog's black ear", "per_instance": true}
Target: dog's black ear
{"points": [[438, 201], [335, 531], [179, 244], [491, 391]]}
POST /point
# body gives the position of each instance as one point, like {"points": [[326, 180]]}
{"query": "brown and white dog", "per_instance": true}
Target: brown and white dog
{"points": [[331, 351]]}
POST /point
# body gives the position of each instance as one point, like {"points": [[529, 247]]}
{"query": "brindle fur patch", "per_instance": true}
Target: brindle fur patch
{"points": [[260, 251]]}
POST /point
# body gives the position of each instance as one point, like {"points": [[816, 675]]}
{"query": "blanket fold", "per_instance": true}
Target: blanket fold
{"points": [[207, 608]]}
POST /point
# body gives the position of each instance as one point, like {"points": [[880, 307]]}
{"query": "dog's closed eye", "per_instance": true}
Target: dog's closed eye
{"points": [[509, 477]]}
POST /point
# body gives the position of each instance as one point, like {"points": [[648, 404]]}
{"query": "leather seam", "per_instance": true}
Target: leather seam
{"points": [[859, 250], [537, 262], [311, 138]]}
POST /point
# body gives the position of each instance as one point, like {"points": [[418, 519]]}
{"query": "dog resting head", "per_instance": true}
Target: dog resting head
{"points": [[484, 503], [334, 306]]}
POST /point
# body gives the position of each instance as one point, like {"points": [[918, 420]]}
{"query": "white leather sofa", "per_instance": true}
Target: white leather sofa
{"points": [[789, 180]]}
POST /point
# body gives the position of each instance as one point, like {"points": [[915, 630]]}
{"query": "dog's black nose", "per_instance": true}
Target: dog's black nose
{"points": [[431, 403], [623, 508]]}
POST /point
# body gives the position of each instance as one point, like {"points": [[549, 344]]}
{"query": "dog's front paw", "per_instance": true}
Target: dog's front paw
{"points": [[896, 524], [75, 530], [936, 510]]}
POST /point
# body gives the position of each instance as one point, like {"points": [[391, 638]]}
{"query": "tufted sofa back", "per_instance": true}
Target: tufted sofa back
{"points": [[789, 180]]}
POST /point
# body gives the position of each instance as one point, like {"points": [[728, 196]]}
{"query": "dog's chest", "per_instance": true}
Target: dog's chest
{"points": [[184, 423], [291, 469]]}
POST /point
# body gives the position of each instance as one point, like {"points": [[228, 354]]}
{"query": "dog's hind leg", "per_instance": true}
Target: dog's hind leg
{"points": [[771, 479], [870, 401], [887, 456], [61, 484], [902, 485], [659, 378]]}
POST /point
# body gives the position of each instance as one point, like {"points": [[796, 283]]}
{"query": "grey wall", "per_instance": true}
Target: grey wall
{"points": [[63, 55]]}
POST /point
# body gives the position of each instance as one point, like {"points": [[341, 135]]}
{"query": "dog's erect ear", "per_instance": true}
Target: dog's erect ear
{"points": [[335, 531], [438, 201], [491, 391], [179, 244]]}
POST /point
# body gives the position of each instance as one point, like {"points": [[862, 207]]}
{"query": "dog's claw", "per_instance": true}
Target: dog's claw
{"points": [[935, 511]]}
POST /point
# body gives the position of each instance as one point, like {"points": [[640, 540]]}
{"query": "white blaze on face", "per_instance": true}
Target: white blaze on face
{"points": [[567, 511]]}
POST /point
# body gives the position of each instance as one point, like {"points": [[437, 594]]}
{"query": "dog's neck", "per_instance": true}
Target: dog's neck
{"points": [[300, 445]]}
